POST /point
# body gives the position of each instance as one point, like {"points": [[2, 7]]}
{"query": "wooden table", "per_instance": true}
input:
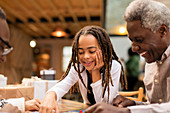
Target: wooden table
{"points": [[69, 105]]}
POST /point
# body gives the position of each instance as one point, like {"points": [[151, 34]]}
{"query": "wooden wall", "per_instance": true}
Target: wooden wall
{"points": [[56, 54], [19, 61]]}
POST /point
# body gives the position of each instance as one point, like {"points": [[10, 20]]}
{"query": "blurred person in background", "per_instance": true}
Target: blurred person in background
{"points": [[132, 69]]}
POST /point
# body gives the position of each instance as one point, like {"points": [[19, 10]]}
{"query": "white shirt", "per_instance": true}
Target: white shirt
{"points": [[63, 86]]}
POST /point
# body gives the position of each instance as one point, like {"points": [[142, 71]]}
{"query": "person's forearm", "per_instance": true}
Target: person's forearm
{"points": [[154, 108], [52, 94]]}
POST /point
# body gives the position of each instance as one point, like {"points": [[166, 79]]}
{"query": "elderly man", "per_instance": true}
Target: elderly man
{"points": [[5, 48], [148, 25]]}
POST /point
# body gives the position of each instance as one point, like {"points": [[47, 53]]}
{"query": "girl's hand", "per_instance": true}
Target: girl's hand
{"points": [[99, 64], [49, 103], [32, 105], [99, 60]]}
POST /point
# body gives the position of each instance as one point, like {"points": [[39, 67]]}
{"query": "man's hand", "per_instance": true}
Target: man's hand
{"points": [[121, 101], [106, 108], [32, 105], [9, 108]]}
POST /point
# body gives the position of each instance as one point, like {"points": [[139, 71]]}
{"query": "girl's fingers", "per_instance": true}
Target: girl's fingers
{"points": [[100, 58], [49, 110], [57, 109], [97, 59]]}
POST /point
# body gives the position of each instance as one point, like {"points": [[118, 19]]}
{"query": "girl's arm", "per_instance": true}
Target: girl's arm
{"points": [[64, 86], [56, 92]]}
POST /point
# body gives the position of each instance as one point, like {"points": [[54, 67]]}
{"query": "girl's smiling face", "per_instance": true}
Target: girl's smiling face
{"points": [[88, 45]]}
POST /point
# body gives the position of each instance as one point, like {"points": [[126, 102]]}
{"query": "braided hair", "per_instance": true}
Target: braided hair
{"points": [[108, 54]]}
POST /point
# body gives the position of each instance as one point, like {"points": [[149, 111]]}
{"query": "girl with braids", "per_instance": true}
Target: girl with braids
{"points": [[94, 65]]}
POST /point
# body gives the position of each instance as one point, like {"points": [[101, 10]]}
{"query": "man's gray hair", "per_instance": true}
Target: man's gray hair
{"points": [[152, 14], [2, 14]]}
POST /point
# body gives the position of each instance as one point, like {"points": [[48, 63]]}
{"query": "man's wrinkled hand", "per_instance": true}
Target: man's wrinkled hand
{"points": [[106, 108], [121, 101]]}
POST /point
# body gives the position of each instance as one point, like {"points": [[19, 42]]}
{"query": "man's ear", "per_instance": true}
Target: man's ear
{"points": [[163, 30]]}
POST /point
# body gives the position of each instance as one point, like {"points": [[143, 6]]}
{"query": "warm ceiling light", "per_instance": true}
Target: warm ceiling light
{"points": [[45, 56], [58, 33], [32, 43], [122, 30]]}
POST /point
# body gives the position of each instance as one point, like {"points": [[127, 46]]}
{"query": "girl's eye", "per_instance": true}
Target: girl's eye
{"points": [[92, 51], [80, 53]]}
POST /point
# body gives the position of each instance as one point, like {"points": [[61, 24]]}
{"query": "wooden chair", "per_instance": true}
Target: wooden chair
{"points": [[131, 94]]}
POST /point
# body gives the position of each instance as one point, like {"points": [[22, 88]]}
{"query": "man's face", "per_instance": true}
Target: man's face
{"points": [[144, 42], [4, 34]]}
